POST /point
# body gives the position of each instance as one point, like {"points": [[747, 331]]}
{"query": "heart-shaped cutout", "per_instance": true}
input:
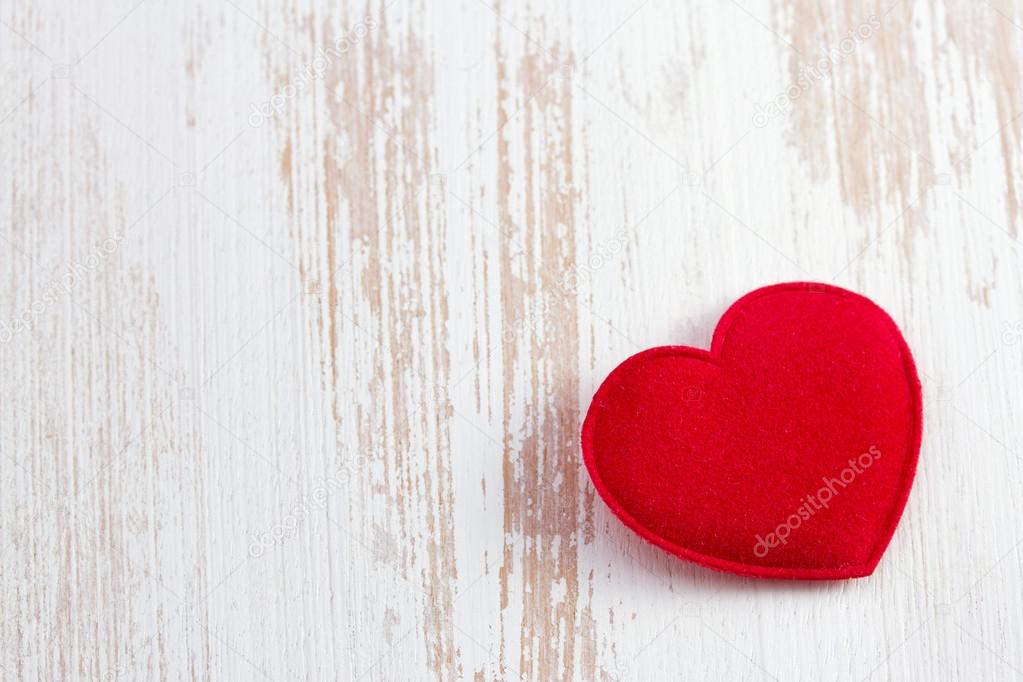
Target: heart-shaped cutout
{"points": [[786, 451]]}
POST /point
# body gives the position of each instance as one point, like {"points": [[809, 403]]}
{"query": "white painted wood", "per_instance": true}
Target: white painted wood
{"points": [[303, 303]]}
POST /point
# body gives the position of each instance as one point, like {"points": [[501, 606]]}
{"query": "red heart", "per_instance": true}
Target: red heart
{"points": [[787, 451]]}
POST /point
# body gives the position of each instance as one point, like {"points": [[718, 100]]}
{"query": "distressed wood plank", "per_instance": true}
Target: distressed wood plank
{"points": [[302, 305]]}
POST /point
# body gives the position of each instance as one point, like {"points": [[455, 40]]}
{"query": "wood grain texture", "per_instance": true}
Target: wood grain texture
{"points": [[302, 304]]}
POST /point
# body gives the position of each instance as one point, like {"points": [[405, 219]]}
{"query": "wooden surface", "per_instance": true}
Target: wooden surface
{"points": [[303, 303]]}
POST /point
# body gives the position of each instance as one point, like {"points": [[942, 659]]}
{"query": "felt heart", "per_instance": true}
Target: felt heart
{"points": [[786, 451]]}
